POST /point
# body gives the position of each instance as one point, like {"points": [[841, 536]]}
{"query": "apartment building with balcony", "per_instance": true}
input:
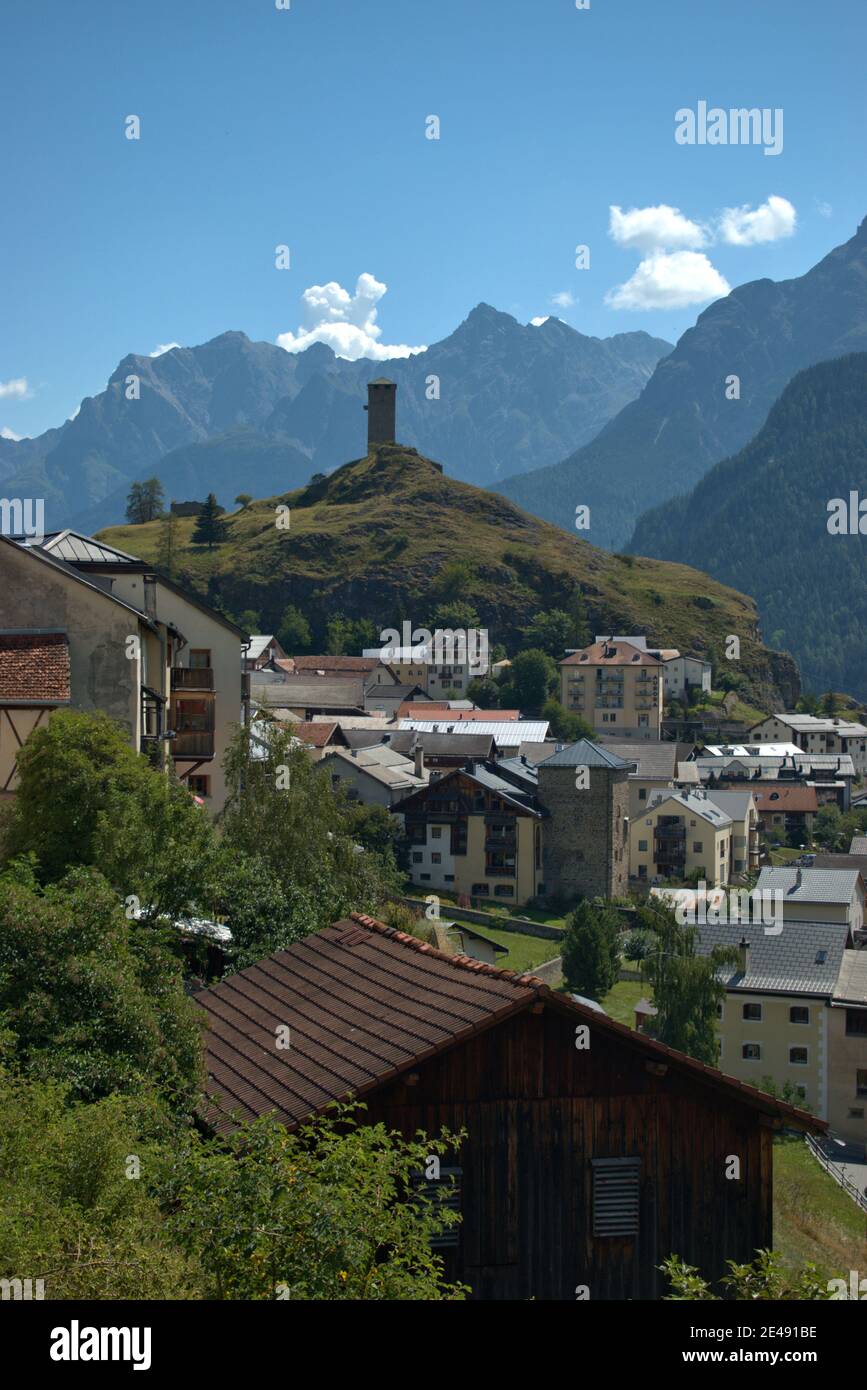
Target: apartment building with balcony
{"points": [[192, 691], [816, 734], [616, 687], [680, 834]]}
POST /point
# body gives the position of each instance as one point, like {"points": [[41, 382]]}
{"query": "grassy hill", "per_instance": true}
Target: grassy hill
{"points": [[376, 539]]}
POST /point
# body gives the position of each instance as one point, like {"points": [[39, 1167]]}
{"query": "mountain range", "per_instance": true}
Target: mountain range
{"points": [[354, 546], [760, 521], [691, 414], [232, 415]]}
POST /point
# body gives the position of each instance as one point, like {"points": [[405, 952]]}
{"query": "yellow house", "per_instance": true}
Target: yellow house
{"points": [[679, 834], [616, 687]]}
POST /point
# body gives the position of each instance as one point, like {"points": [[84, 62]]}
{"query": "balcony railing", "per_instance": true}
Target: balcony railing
{"points": [[193, 744], [500, 870], [192, 678], [670, 832]]}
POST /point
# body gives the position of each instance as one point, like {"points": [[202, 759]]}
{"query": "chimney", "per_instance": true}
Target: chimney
{"points": [[381, 411], [418, 759], [744, 956]]}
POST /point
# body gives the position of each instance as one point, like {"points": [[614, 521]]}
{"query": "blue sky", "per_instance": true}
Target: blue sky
{"points": [[306, 127]]}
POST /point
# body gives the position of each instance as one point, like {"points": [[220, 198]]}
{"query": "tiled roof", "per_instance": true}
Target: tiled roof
{"points": [[335, 665], [365, 1003], [34, 666], [858, 844], [810, 885], [610, 654], [316, 735], [816, 724], [785, 798], [851, 984], [804, 958], [653, 759]]}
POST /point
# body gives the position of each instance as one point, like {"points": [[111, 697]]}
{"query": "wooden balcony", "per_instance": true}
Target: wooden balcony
{"points": [[192, 678], [193, 743]]}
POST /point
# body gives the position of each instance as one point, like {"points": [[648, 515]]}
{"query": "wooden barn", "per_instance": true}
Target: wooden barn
{"points": [[592, 1152]]}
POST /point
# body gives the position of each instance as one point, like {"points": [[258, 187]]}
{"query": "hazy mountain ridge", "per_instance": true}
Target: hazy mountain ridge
{"points": [[661, 444], [511, 396]]}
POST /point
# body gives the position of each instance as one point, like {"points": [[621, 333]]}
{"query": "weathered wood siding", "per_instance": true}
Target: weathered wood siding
{"points": [[536, 1111]]}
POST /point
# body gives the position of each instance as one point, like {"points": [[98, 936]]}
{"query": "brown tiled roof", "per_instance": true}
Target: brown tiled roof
{"points": [[364, 1003], [778, 798], [623, 654], [34, 666], [317, 735], [333, 665]]}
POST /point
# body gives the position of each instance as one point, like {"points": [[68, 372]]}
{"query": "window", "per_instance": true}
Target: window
{"points": [[642, 793], [199, 785], [616, 1194], [799, 1014], [449, 878], [200, 658], [861, 1083], [752, 1013], [642, 871], [857, 1113], [436, 832], [751, 1052], [504, 890], [642, 844], [856, 1023], [480, 890], [436, 859], [425, 877], [416, 857], [442, 1192], [798, 1056]]}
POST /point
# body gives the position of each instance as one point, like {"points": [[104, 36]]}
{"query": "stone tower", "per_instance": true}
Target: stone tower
{"points": [[381, 411], [585, 791]]}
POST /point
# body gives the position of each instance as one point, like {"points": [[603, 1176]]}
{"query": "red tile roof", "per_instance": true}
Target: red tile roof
{"points": [[433, 709], [784, 798], [316, 735], [364, 1003], [34, 666], [611, 653]]}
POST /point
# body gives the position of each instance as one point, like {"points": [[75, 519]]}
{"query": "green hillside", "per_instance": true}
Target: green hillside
{"points": [[761, 519], [380, 539]]}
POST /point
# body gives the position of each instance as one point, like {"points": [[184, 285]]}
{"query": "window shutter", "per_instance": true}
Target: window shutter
{"points": [[616, 1191]]}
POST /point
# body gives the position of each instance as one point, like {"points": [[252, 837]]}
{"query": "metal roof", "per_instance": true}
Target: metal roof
{"points": [[852, 980], [697, 803], [74, 547], [508, 732], [587, 754]]}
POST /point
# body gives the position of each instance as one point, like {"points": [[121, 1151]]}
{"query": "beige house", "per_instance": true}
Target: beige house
{"points": [[616, 687], [741, 807], [475, 833], [177, 687], [796, 1012], [680, 834], [70, 642], [816, 895]]}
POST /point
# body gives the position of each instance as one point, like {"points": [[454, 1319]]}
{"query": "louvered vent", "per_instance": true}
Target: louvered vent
{"points": [[444, 1193], [616, 1196]]}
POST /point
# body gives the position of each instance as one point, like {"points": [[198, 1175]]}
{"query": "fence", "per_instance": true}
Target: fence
{"points": [[860, 1198]]}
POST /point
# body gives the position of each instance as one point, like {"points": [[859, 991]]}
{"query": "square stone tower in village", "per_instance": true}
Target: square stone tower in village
{"points": [[585, 791], [381, 412]]}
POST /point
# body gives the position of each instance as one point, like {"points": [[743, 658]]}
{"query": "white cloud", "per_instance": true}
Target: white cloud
{"points": [[345, 322], [17, 388], [537, 322], [75, 412], [669, 282], [824, 209], [564, 300], [163, 347], [660, 228], [6, 433], [770, 221]]}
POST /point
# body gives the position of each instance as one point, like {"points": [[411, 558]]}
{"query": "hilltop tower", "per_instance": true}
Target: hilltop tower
{"points": [[381, 412]]}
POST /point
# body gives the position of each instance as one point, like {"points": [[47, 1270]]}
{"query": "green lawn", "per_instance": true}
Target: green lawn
{"points": [[525, 952], [813, 1217], [620, 1003]]}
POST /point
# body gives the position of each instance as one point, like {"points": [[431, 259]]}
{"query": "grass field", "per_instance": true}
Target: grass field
{"points": [[814, 1219], [525, 952], [620, 1003]]}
